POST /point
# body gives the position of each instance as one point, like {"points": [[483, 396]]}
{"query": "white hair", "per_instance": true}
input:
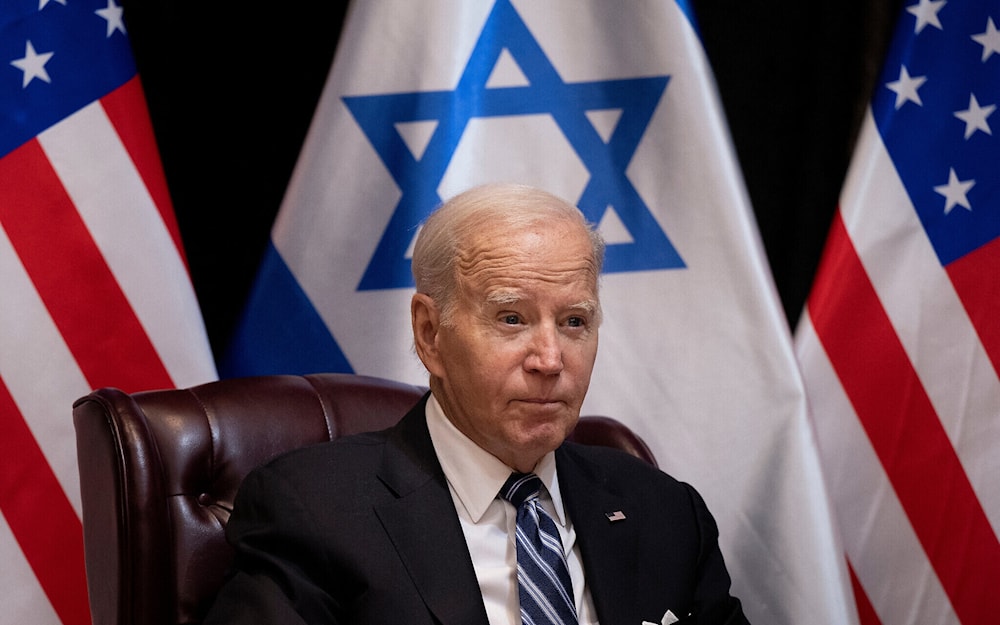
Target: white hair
{"points": [[451, 226]]}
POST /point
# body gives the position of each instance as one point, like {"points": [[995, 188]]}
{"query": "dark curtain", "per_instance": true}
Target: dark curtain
{"points": [[232, 87]]}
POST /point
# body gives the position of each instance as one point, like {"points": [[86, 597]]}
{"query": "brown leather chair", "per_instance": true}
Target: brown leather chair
{"points": [[159, 471]]}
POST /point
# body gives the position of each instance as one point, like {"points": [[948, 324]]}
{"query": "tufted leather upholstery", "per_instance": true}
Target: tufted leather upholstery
{"points": [[159, 471]]}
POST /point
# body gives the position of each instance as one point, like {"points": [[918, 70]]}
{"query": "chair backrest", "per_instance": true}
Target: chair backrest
{"points": [[159, 471]]}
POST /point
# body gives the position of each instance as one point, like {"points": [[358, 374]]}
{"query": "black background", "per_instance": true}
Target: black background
{"points": [[232, 86]]}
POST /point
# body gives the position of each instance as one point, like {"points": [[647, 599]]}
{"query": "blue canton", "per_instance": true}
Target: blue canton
{"points": [[934, 108], [546, 93], [80, 58]]}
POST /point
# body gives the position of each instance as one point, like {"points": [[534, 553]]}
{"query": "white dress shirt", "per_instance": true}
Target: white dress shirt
{"points": [[474, 479]]}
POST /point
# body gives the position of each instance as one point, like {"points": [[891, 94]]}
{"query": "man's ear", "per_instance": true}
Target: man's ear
{"points": [[426, 319]]}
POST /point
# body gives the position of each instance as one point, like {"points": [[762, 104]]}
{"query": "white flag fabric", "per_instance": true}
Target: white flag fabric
{"points": [[93, 286], [611, 106], [900, 343]]}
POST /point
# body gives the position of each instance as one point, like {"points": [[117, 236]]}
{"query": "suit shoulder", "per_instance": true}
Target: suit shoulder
{"points": [[607, 456], [624, 473], [613, 464]]}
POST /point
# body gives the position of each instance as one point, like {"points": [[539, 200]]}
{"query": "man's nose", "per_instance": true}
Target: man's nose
{"points": [[545, 354]]}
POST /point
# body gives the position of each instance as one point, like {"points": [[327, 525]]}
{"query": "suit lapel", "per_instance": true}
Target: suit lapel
{"points": [[606, 546], [423, 525]]}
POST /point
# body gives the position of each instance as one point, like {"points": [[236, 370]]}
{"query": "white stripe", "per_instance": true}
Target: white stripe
{"points": [[550, 543], [102, 181], [888, 559], [23, 598], [538, 596], [39, 370], [927, 314]]}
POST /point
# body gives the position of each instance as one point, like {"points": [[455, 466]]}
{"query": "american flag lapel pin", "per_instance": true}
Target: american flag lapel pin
{"points": [[617, 515]]}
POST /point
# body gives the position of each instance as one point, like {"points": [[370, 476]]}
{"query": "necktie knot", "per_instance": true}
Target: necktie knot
{"points": [[520, 487]]}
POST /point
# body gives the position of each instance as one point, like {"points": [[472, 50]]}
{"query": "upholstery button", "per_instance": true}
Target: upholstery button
{"points": [[205, 499]]}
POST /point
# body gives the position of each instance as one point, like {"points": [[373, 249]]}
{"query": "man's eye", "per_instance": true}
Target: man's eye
{"points": [[576, 322], [511, 319]]}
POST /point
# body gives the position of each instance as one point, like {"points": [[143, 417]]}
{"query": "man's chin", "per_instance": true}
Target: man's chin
{"points": [[545, 436]]}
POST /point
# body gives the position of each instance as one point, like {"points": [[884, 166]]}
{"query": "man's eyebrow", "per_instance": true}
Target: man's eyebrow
{"points": [[588, 305], [508, 297], [503, 298]]}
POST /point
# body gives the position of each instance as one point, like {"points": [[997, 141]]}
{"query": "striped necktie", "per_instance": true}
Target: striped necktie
{"points": [[544, 586]]}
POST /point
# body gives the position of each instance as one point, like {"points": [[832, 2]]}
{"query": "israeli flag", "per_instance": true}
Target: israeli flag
{"points": [[612, 107]]}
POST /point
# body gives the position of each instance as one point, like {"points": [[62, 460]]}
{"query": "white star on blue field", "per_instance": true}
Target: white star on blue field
{"points": [[546, 93]]}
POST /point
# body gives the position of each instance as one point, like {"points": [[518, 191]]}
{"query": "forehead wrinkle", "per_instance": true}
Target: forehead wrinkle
{"points": [[503, 286], [497, 265], [491, 264]]}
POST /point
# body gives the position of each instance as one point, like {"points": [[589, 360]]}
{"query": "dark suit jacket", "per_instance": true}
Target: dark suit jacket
{"points": [[364, 530]]}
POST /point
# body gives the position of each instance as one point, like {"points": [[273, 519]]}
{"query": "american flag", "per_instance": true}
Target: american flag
{"points": [[900, 346], [94, 287]]}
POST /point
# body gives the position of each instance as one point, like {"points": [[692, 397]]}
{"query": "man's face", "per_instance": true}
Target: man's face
{"points": [[514, 362]]}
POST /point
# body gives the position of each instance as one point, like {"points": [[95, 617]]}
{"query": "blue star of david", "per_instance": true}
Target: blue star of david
{"points": [[546, 92]]}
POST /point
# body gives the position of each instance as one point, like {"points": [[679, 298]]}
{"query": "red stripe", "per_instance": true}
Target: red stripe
{"points": [[72, 277], [41, 517], [907, 435], [976, 277], [866, 611], [126, 108]]}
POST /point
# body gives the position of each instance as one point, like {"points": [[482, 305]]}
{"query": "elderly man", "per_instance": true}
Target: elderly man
{"points": [[473, 509]]}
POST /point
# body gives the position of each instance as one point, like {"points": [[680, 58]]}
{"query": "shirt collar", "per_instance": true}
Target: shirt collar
{"points": [[474, 474]]}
